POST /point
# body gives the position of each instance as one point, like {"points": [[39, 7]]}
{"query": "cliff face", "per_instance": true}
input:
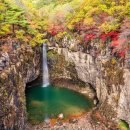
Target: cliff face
{"points": [[116, 96], [111, 81], [21, 67], [124, 100], [66, 68], [84, 65]]}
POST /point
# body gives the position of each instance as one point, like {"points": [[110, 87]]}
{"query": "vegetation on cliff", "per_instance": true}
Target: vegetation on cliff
{"points": [[100, 27], [104, 22]]}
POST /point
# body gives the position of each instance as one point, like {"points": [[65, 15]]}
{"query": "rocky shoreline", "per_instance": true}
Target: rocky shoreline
{"points": [[85, 90], [89, 121]]}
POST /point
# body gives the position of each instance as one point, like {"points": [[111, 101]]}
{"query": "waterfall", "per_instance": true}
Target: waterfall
{"points": [[45, 80]]}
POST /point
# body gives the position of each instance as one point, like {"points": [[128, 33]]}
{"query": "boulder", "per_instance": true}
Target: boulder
{"points": [[61, 116]]}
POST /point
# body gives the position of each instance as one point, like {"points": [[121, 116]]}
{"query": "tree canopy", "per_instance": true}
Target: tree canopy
{"points": [[109, 19]]}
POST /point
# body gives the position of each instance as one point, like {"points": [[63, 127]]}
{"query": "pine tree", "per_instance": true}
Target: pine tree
{"points": [[11, 16], [15, 17]]}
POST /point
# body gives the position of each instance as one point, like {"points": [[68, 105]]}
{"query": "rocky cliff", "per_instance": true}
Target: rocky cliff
{"points": [[110, 81], [17, 68], [109, 78]]}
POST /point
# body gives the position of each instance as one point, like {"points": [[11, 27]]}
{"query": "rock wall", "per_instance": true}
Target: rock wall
{"points": [[124, 100], [84, 65], [22, 66], [111, 82], [112, 88]]}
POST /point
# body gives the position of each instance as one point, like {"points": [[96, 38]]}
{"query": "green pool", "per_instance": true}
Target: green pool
{"points": [[49, 102]]}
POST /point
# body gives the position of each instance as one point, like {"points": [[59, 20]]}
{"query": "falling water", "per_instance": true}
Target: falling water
{"points": [[45, 67]]}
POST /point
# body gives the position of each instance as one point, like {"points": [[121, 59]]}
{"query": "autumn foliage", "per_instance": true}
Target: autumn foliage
{"points": [[108, 21]]}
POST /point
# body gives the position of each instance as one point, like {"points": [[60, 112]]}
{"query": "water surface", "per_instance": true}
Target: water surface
{"points": [[49, 102]]}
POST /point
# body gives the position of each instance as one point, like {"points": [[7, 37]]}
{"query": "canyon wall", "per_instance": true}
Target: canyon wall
{"points": [[17, 68], [110, 81]]}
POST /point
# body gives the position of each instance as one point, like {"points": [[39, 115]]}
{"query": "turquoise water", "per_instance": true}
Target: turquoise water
{"points": [[49, 102]]}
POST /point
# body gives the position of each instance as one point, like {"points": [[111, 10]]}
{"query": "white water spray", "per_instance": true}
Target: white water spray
{"points": [[45, 76]]}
